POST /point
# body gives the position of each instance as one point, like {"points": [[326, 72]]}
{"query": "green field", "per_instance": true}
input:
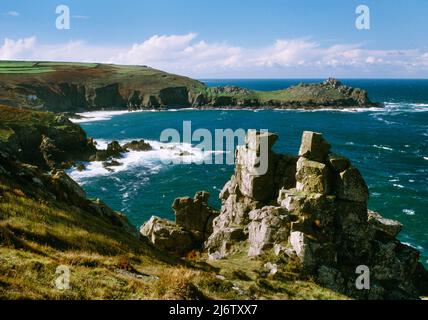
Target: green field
{"points": [[22, 67]]}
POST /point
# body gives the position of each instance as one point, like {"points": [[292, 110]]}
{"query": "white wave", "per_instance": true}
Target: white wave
{"points": [[400, 186], [94, 116], [409, 212], [97, 116], [383, 147], [426, 158], [152, 161], [419, 104], [352, 110], [420, 248], [399, 107]]}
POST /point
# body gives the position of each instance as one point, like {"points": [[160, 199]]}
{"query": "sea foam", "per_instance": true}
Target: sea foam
{"points": [[152, 161]]}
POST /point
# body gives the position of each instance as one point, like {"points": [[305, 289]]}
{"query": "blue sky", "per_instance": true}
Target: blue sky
{"points": [[259, 39]]}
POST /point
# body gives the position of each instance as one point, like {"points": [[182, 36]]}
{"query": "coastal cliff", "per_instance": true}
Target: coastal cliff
{"points": [[78, 87]]}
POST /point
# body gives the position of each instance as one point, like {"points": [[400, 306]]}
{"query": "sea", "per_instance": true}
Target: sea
{"points": [[389, 145]]}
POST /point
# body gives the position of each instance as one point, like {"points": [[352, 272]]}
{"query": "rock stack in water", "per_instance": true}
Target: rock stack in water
{"points": [[313, 209]]}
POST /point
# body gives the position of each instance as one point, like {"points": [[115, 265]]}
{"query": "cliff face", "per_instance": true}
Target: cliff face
{"points": [[43, 139], [77, 87]]}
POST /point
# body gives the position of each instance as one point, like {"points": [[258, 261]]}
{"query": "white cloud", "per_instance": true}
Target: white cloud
{"points": [[80, 17], [186, 54], [16, 49], [13, 14]]}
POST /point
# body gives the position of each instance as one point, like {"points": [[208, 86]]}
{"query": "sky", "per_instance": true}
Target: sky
{"points": [[226, 38]]}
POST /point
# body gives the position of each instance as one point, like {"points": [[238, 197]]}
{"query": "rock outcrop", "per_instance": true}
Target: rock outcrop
{"points": [[43, 139], [192, 226], [137, 145], [313, 210]]}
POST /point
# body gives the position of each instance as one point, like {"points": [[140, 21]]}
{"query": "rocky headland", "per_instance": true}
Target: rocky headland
{"points": [[78, 87], [307, 211]]}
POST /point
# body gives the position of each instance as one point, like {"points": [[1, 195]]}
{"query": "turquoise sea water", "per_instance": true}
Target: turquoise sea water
{"points": [[389, 146]]}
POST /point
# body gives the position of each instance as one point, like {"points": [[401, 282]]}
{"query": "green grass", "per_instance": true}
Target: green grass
{"points": [[5, 133], [25, 117], [246, 273], [292, 94], [25, 70], [16, 64], [68, 64], [107, 262], [23, 67]]}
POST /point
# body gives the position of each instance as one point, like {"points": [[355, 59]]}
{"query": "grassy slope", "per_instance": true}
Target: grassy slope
{"points": [[25, 72], [38, 233], [108, 263], [292, 94]]}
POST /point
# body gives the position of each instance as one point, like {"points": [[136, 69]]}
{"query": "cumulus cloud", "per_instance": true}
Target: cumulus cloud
{"points": [[179, 53], [16, 49], [187, 54]]}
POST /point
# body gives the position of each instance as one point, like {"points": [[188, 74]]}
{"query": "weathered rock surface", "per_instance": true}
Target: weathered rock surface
{"points": [[312, 176], [314, 147], [167, 235], [388, 227], [268, 226], [192, 227], [135, 145], [195, 215], [351, 186], [313, 209]]}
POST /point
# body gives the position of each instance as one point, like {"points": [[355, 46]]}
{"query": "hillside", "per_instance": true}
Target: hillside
{"points": [[46, 221], [78, 87], [68, 87]]}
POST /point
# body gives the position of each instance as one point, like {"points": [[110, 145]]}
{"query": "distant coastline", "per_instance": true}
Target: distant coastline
{"points": [[79, 87]]}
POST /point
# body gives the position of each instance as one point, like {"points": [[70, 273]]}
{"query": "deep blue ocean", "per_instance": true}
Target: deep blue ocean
{"points": [[389, 146]]}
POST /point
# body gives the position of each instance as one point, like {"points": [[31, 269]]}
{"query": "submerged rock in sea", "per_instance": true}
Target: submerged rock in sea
{"points": [[115, 151], [313, 209], [139, 145]]}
